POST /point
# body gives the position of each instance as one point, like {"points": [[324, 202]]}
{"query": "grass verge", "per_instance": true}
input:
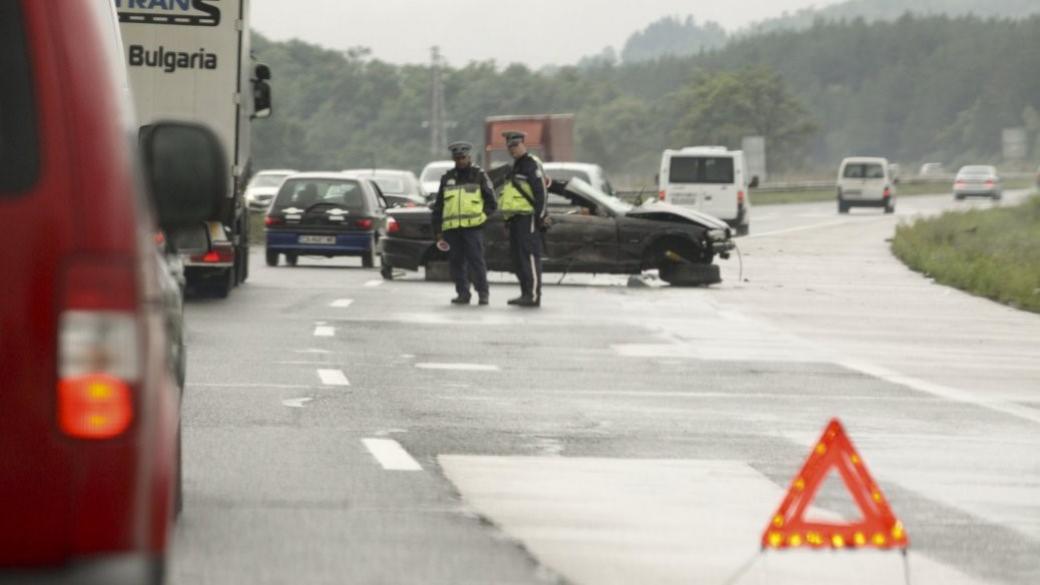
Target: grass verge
{"points": [[256, 228], [993, 253]]}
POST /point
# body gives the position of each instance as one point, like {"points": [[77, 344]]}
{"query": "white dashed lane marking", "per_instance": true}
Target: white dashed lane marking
{"points": [[459, 367], [391, 455], [324, 331], [341, 303], [333, 378], [374, 283]]}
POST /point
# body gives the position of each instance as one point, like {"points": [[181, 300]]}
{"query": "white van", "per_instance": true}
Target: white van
{"points": [[866, 182], [710, 179]]}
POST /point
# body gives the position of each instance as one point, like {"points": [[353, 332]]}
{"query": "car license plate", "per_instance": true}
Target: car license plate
{"points": [[326, 240]]}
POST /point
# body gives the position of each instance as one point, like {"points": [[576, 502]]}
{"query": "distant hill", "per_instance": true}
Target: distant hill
{"points": [[673, 37], [872, 10]]}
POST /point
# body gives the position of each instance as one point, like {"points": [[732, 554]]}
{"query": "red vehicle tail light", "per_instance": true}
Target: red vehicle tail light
{"points": [[95, 406], [392, 227], [270, 221], [221, 253], [989, 182], [661, 195], [98, 349], [887, 193], [365, 224], [740, 197]]}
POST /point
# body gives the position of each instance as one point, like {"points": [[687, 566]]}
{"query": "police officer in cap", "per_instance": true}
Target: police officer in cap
{"points": [[464, 200], [523, 207]]}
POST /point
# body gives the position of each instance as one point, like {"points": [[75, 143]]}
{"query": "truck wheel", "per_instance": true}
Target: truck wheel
{"points": [[245, 264], [690, 274], [437, 271], [842, 206], [743, 229], [272, 258], [291, 259], [890, 208]]}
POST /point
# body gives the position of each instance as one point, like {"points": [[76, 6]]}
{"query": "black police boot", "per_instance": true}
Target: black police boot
{"points": [[484, 300], [516, 301], [528, 302], [460, 300]]}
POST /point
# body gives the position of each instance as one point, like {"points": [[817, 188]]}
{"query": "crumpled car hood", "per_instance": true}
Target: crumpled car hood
{"points": [[697, 217]]}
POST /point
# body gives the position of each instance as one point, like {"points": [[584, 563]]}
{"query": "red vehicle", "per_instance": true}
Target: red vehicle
{"points": [[549, 137], [89, 454]]}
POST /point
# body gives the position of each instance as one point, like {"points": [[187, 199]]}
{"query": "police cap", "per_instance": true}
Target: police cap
{"points": [[514, 137], [460, 149]]}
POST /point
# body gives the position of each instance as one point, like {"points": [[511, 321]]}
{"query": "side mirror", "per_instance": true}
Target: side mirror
{"points": [[262, 72], [186, 171], [754, 182], [261, 99]]}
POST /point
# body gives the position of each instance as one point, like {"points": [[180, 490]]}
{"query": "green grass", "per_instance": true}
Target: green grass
{"points": [[256, 228], [992, 253], [904, 190]]}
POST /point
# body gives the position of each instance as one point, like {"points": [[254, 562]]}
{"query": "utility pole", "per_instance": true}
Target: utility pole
{"points": [[438, 115]]}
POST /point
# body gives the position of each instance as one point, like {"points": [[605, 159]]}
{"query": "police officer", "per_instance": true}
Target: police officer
{"points": [[464, 201], [523, 207]]}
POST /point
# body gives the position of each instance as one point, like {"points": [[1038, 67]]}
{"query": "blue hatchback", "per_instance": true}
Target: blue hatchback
{"points": [[325, 214]]}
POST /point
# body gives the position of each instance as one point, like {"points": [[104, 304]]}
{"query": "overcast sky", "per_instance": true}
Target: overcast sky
{"points": [[563, 31]]}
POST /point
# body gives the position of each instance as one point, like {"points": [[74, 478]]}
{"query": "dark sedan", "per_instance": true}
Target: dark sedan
{"points": [[325, 214], [590, 232]]}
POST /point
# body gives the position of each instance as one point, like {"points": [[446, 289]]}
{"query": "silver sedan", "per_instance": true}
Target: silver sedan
{"points": [[978, 181]]}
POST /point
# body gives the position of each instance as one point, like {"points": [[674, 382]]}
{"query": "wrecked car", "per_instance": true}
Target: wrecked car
{"points": [[590, 232]]}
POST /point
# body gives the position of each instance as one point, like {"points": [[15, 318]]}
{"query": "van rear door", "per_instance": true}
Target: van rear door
{"points": [[705, 182], [35, 210]]}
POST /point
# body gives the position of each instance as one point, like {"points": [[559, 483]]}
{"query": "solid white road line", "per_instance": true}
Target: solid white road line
{"points": [[391, 455], [341, 303], [374, 283], [324, 331], [797, 229], [219, 385], [944, 392], [459, 367], [333, 378]]}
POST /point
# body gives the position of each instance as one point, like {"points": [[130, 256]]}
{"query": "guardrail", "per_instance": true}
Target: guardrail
{"points": [[943, 183]]}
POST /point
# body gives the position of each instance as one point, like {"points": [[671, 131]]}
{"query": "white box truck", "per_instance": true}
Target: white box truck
{"points": [[190, 60]]}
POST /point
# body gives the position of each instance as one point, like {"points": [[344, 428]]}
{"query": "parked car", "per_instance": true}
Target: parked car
{"points": [[263, 187], [90, 310], [596, 233], [325, 214], [711, 180], [430, 177], [978, 181], [590, 173], [866, 182], [932, 169], [400, 188]]}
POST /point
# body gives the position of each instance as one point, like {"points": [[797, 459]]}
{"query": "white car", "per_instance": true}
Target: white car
{"points": [[866, 182], [263, 187], [932, 169], [978, 181], [590, 173], [710, 179], [430, 177], [399, 188]]}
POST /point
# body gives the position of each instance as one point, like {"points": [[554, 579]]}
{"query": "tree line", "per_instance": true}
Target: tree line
{"points": [[915, 89]]}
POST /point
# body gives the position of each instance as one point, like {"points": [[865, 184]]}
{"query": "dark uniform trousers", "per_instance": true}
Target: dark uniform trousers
{"points": [[466, 260], [525, 243]]}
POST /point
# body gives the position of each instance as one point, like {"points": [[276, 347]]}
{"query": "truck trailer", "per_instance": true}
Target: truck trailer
{"points": [[189, 60]]}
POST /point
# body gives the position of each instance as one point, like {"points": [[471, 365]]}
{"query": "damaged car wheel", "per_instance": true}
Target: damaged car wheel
{"points": [[690, 274]]}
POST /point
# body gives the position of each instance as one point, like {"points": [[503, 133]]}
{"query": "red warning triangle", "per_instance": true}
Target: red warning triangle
{"points": [[878, 527]]}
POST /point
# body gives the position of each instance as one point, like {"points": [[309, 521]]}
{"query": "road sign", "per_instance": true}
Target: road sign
{"points": [[878, 526]]}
